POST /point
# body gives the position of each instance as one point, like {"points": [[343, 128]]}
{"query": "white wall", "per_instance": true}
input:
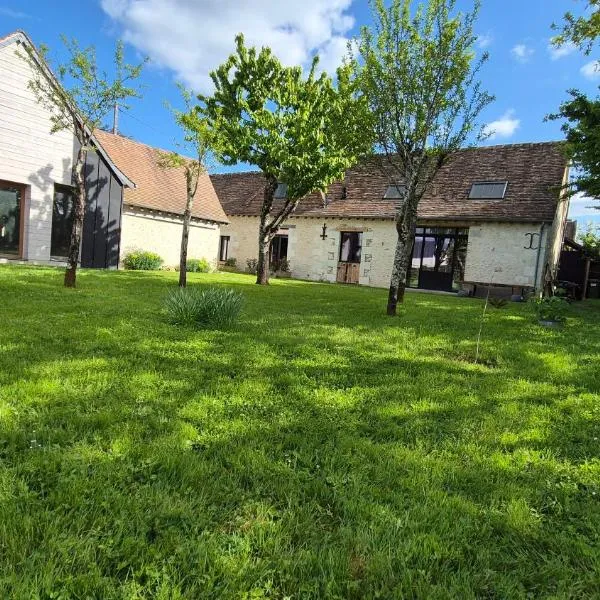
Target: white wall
{"points": [[29, 153], [161, 233], [495, 250]]}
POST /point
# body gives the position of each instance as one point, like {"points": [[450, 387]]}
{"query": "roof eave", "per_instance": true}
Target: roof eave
{"points": [[20, 36]]}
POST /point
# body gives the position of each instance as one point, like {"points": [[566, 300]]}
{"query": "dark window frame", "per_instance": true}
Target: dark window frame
{"points": [[19, 187], [281, 191], [224, 256], [357, 247], [460, 239], [64, 189], [395, 192], [498, 182], [279, 243]]}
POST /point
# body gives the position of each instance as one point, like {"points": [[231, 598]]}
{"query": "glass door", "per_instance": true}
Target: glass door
{"points": [[11, 199], [438, 258]]}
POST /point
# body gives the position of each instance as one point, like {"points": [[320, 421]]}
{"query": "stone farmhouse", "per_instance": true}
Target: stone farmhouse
{"points": [[494, 215]]}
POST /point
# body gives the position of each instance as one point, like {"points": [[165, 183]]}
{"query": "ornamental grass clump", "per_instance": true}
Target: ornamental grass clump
{"points": [[212, 308]]}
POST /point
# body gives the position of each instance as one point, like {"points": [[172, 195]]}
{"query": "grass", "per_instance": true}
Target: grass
{"points": [[317, 450]]}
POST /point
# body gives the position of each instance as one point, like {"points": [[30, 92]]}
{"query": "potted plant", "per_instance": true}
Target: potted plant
{"points": [[550, 311]]}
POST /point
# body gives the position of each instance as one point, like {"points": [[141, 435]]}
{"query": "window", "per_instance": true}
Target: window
{"points": [[438, 258], [281, 191], [62, 221], [350, 246], [488, 190], [224, 248], [11, 198], [395, 192], [279, 249]]}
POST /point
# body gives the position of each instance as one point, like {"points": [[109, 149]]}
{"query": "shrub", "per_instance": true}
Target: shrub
{"points": [[282, 265], [231, 262], [198, 265], [551, 308], [142, 260], [252, 265], [214, 308]]}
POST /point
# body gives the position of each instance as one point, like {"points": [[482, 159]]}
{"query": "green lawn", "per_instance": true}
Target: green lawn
{"points": [[318, 450]]}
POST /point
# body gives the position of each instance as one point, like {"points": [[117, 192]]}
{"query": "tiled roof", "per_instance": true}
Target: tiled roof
{"points": [[534, 173], [158, 188]]}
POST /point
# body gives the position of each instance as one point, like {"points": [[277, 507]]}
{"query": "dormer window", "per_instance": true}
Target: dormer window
{"points": [[281, 191], [395, 192], [488, 190]]}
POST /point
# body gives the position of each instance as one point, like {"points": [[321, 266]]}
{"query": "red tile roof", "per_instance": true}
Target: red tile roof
{"points": [[534, 173], [158, 188]]}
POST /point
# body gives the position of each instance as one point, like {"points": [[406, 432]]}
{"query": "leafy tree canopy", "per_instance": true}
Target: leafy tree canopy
{"points": [[304, 131], [582, 131], [86, 94], [581, 31]]}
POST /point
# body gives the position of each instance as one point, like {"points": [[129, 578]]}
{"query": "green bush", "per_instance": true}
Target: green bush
{"points": [[198, 265], [231, 262], [552, 308], [252, 265], [212, 308], [142, 260]]}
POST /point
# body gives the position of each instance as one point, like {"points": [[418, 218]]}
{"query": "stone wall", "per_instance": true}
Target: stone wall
{"points": [[499, 252], [161, 233], [496, 251]]}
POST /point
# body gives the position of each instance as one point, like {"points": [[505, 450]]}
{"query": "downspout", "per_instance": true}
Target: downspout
{"points": [[537, 258]]}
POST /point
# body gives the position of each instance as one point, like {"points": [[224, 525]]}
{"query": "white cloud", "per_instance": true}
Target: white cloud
{"points": [[504, 127], [484, 40], [13, 14], [522, 53], [561, 51], [192, 37], [583, 206], [591, 70]]}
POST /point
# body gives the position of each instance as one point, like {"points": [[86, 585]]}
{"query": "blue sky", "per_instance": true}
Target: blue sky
{"points": [[187, 38]]}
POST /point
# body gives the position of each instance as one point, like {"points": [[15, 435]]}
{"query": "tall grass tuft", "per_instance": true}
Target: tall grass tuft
{"points": [[212, 308]]}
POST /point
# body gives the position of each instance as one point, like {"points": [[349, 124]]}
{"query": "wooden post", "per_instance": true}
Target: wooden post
{"points": [[115, 129], [588, 262]]}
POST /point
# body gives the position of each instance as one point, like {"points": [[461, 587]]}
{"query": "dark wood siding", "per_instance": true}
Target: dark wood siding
{"points": [[102, 221]]}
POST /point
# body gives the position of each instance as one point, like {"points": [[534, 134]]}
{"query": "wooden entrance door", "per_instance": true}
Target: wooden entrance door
{"points": [[349, 260], [348, 272]]}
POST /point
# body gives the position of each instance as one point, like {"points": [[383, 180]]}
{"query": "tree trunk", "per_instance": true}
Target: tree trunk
{"points": [[262, 270], [185, 234], [406, 221], [264, 232], [78, 216]]}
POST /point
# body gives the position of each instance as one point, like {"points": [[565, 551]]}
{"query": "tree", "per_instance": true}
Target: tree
{"points": [[419, 74], [78, 102], [582, 132], [581, 31], [301, 132], [590, 240], [196, 135], [582, 115]]}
